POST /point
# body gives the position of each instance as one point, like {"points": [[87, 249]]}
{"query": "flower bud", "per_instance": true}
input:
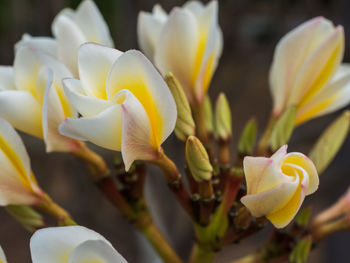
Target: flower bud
{"points": [[208, 113], [184, 124], [198, 159], [223, 119], [277, 186], [248, 137]]}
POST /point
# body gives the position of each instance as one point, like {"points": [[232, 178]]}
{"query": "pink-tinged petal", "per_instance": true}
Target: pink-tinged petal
{"points": [[7, 78], [46, 44], [264, 203], [132, 71], [27, 117], [176, 49], [95, 251], [53, 114], [254, 169], [95, 62], [290, 55], [137, 131], [103, 129], [87, 106]]}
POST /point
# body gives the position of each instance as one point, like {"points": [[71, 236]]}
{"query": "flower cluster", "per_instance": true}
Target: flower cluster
{"points": [[77, 87]]}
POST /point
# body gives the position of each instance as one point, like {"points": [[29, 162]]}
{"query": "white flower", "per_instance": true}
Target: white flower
{"points": [[72, 244], [124, 102], [2, 256], [187, 43]]}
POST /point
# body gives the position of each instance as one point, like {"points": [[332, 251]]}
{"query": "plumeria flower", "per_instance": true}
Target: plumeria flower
{"points": [[32, 97], [124, 103], [71, 29], [307, 70], [2, 256], [187, 42], [72, 244], [18, 185], [277, 186]]}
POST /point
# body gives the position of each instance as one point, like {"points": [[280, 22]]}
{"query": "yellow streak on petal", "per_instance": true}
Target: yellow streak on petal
{"points": [[16, 162], [208, 72], [199, 57], [323, 76], [64, 102], [314, 111], [138, 87]]}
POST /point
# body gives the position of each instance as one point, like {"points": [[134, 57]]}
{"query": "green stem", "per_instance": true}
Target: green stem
{"points": [[202, 254], [52, 209]]}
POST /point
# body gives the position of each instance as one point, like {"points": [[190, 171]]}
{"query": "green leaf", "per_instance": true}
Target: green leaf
{"points": [[303, 217], [283, 128], [247, 140], [330, 141], [301, 251]]}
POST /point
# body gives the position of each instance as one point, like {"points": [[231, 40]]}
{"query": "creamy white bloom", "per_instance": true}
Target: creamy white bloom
{"points": [[2, 256], [72, 244], [277, 186], [32, 97], [187, 42], [306, 70], [124, 102], [18, 185], [71, 29]]}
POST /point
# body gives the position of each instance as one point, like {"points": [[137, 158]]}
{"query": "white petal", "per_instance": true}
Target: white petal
{"points": [[290, 55], [95, 251], [53, 114], [137, 131], [55, 244], [22, 110], [148, 32], [134, 72], [266, 202], [46, 44], [92, 24], [103, 129], [196, 7], [2, 256], [7, 78], [176, 50], [87, 106], [69, 38], [159, 13], [95, 62]]}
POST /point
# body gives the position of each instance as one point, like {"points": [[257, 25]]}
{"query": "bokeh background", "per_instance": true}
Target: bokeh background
{"points": [[251, 30]]}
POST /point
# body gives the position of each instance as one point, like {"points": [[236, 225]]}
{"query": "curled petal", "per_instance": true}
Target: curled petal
{"points": [[7, 79], [46, 44]]}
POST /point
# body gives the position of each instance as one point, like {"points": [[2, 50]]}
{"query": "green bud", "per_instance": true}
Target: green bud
{"points": [[184, 125], [223, 119], [330, 141], [247, 140], [303, 217], [26, 216], [301, 251], [198, 160], [208, 113], [283, 128]]}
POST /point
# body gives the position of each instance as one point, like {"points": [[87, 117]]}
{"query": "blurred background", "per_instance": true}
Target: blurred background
{"points": [[251, 30]]}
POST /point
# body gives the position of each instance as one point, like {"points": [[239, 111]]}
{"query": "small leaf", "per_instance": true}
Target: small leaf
{"points": [[301, 251], [330, 141], [223, 119], [283, 128], [303, 217], [247, 140]]}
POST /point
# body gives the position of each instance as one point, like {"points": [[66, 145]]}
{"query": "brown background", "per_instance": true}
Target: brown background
{"points": [[251, 30]]}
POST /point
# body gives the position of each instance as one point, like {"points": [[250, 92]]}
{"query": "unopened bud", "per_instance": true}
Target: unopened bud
{"points": [[223, 119], [208, 113], [198, 160], [247, 140], [26, 216], [184, 124], [301, 251]]}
